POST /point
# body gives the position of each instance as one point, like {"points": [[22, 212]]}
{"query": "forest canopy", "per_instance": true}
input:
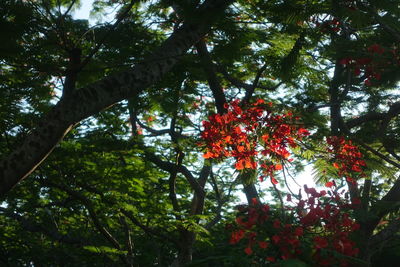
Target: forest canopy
{"points": [[127, 140]]}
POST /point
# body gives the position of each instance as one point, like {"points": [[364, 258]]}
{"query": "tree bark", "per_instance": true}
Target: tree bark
{"points": [[100, 95], [250, 191]]}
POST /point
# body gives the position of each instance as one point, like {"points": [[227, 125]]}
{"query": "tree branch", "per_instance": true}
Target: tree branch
{"points": [[248, 87], [128, 243], [393, 111], [147, 229], [387, 233], [34, 227], [379, 20], [212, 78], [169, 167], [89, 206], [250, 91], [198, 200], [100, 95]]}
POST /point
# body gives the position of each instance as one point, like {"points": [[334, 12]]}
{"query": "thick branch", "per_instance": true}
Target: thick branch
{"points": [[100, 95], [250, 191], [394, 192], [71, 74], [213, 82], [387, 233], [248, 87], [172, 181], [250, 91], [371, 116], [378, 18], [377, 153], [393, 111], [198, 200], [383, 206], [169, 167]]}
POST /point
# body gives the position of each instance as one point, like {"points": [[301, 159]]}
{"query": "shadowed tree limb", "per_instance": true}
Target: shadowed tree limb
{"points": [[386, 234], [393, 111], [154, 232], [128, 242], [212, 78], [100, 95], [250, 90], [169, 167], [248, 87], [93, 215]]}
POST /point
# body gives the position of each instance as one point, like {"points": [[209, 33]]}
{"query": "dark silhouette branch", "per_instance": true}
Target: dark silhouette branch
{"points": [[151, 231], [128, 242], [250, 90], [198, 200], [212, 78], [92, 213], [172, 182], [393, 111], [169, 167], [386, 234], [247, 87]]}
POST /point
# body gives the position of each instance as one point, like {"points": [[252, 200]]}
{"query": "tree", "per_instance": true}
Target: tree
{"points": [[128, 99]]}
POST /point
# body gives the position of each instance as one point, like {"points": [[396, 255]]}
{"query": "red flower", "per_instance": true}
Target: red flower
{"points": [[262, 244], [276, 239], [270, 259], [375, 48], [248, 251], [278, 167], [236, 236], [298, 231], [336, 165], [320, 242], [239, 165], [329, 184], [344, 61]]}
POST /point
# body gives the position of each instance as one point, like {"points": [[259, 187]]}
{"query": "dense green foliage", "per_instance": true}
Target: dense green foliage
{"points": [[129, 185]]}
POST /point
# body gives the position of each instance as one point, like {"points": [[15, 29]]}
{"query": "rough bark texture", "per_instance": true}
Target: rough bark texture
{"points": [[87, 101]]}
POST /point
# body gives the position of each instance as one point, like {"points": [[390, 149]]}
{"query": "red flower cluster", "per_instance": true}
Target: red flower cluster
{"points": [[373, 65], [348, 159], [335, 221], [321, 224], [252, 135]]}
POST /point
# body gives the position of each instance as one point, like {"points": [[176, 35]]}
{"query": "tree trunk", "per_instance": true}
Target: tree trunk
{"points": [[364, 246], [251, 192], [185, 252]]}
